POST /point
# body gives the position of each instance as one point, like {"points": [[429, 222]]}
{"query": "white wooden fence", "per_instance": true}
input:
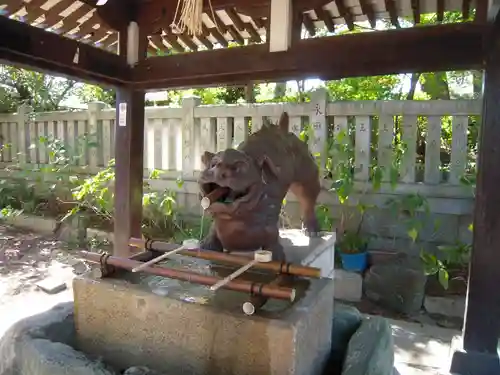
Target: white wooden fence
{"points": [[175, 137]]}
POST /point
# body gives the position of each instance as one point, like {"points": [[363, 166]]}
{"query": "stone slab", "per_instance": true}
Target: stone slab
{"points": [[348, 285], [316, 252], [128, 325], [52, 285], [449, 306]]}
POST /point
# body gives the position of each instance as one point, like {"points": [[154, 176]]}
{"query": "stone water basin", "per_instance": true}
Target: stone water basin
{"points": [[176, 327], [224, 299]]}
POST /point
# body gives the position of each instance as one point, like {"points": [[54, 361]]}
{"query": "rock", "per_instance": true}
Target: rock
{"points": [[398, 284], [348, 285], [140, 370], [52, 285], [42, 345], [371, 349], [346, 320]]}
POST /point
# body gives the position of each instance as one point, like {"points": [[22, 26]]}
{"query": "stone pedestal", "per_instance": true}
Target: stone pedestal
{"points": [[127, 325], [313, 252]]}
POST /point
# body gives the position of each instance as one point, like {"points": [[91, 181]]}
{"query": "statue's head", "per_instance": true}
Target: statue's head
{"points": [[243, 176]]}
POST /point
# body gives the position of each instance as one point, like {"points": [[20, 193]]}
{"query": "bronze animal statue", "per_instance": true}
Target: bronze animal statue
{"points": [[256, 176]]}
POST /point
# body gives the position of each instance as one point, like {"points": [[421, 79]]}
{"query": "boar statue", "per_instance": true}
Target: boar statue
{"points": [[257, 176]]}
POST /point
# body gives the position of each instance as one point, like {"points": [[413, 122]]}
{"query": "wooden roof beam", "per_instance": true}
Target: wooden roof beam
{"points": [[427, 49], [188, 42], [345, 14], [37, 49], [326, 17]]}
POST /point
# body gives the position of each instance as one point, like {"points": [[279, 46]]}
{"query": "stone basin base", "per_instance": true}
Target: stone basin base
{"points": [[128, 326], [43, 345]]}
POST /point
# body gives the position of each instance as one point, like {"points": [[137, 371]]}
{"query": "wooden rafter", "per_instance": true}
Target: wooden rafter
{"points": [[440, 10], [466, 9], [308, 24], [345, 14], [242, 26], [326, 17], [431, 48], [367, 9], [35, 48], [415, 6], [390, 5]]}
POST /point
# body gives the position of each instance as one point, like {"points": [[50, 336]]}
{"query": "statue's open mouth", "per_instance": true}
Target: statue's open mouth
{"points": [[224, 194]]}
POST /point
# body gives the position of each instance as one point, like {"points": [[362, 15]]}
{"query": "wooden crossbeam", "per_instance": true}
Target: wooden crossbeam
{"points": [[326, 17], [28, 46], [425, 49], [345, 14]]}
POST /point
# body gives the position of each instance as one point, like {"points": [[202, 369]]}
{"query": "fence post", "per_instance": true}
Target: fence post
{"points": [[23, 119], [94, 109], [188, 135], [319, 133]]}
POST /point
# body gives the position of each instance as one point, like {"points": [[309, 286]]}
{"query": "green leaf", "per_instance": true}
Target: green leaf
{"points": [[443, 278], [413, 234]]}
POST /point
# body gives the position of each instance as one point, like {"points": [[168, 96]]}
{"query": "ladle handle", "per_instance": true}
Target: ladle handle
{"points": [[157, 259]]}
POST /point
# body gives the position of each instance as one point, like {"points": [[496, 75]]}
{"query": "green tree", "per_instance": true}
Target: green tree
{"points": [[42, 91]]}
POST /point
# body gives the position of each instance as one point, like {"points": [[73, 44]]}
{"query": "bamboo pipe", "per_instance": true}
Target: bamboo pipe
{"points": [[278, 267], [254, 303], [208, 199], [236, 285]]}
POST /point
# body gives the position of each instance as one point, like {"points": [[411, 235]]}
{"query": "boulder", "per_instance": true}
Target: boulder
{"points": [[346, 320], [398, 284], [43, 345], [371, 349]]}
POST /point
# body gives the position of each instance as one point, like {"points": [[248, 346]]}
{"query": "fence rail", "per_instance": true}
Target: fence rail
{"points": [[175, 137]]}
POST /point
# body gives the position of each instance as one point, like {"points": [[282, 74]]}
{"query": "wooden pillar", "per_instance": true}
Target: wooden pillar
{"points": [[129, 147], [479, 355]]}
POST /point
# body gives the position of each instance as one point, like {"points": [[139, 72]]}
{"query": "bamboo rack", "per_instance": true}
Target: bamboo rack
{"points": [[278, 267], [258, 289]]}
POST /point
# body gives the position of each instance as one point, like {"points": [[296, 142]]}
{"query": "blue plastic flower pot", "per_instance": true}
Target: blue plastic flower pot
{"points": [[354, 262]]}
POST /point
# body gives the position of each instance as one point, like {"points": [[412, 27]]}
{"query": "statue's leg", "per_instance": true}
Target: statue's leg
{"points": [[307, 194], [211, 241]]}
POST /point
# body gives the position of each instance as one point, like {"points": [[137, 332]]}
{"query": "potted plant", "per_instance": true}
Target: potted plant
{"points": [[352, 249]]}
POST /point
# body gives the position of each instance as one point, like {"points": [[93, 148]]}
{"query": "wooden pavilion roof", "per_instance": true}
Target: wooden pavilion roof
{"points": [[231, 21]]}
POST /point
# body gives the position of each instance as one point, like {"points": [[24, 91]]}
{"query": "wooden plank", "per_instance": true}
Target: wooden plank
{"points": [[188, 125], [61, 135], [458, 162], [42, 143], [240, 130], [296, 125], [208, 134], [432, 173], [51, 136], [224, 134], [171, 160], [362, 151], [6, 142], [71, 141], [385, 145], [256, 123], [409, 137], [149, 147], [81, 142], [106, 141]]}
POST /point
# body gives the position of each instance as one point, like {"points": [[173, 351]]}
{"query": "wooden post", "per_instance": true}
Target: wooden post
{"points": [[129, 148], [482, 324]]}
